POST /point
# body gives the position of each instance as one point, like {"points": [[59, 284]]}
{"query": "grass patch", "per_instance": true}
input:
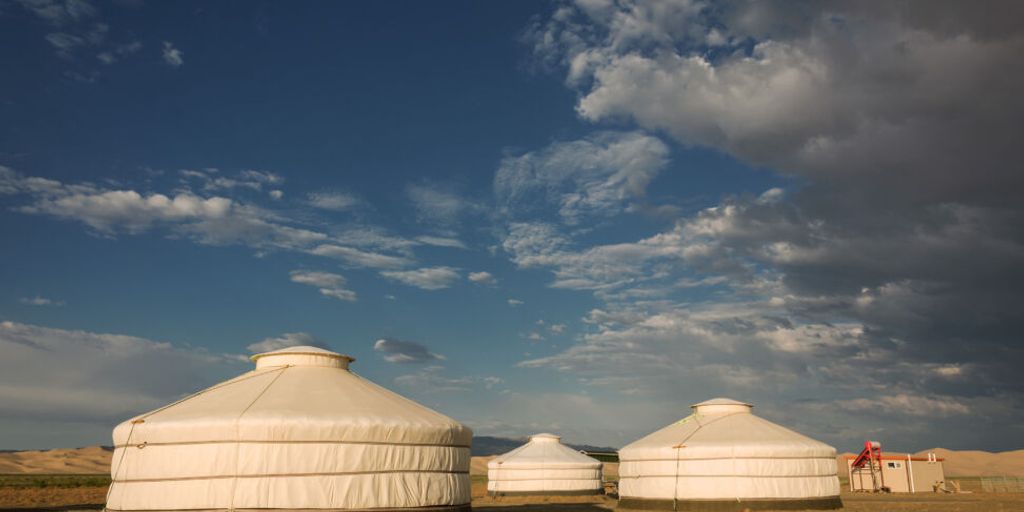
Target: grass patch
{"points": [[54, 481]]}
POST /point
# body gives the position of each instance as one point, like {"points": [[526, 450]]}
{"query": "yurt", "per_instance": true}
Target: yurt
{"points": [[301, 431], [723, 457], [544, 466]]}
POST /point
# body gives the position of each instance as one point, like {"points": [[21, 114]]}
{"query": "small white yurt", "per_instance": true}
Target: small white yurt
{"points": [[301, 431], [722, 457], [544, 466]]}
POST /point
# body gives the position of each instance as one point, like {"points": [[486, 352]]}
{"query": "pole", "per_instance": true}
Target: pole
{"points": [[910, 474]]}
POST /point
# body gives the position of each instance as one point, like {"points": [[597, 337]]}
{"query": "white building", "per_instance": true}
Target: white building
{"points": [[299, 432], [722, 457], [898, 472], [544, 466]]}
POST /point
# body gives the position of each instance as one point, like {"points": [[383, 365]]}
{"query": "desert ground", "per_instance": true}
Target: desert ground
{"points": [[77, 479]]}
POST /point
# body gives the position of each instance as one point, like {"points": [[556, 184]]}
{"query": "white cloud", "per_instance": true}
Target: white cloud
{"points": [[64, 43], [436, 205], [557, 328], [80, 376], [360, 258], [427, 278], [255, 180], [903, 404], [535, 336], [60, 12], [441, 241], [397, 351], [337, 201], [601, 267], [288, 339], [173, 56], [276, 194], [213, 220], [40, 301], [484, 278], [432, 379], [107, 211], [330, 285], [515, 302], [376, 239], [599, 176]]}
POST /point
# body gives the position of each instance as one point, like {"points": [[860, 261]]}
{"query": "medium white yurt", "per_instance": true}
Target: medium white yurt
{"points": [[544, 466], [301, 431], [722, 457]]}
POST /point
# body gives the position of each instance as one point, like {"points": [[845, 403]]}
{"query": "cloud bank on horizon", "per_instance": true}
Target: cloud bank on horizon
{"points": [[872, 287]]}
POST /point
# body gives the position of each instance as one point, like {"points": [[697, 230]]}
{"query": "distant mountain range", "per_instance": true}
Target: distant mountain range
{"points": [[487, 445]]}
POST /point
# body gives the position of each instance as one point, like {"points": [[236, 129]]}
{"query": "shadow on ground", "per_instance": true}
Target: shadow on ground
{"points": [[557, 507]]}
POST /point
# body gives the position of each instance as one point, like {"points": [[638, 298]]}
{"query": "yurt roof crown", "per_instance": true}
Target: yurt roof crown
{"points": [[721, 406], [303, 355], [545, 438]]}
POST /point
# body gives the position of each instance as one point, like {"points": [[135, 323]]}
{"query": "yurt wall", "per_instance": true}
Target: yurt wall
{"points": [[301, 431]]}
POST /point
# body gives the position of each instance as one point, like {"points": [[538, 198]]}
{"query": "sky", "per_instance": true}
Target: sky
{"points": [[578, 217]]}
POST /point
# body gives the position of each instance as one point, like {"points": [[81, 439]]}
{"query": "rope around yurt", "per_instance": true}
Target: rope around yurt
{"points": [[238, 434], [680, 446], [142, 419]]}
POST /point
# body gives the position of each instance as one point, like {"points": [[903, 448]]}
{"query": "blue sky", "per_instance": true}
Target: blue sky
{"points": [[525, 215]]}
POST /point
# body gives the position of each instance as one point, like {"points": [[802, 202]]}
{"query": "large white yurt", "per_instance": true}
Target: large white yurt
{"points": [[301, 431], [723, 457], [544, 466]]}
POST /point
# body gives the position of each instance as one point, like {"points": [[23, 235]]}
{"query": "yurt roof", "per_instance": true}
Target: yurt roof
{"points": [[723, 428], [720, 401], [296, 394], [543, 450], [302, 350]]}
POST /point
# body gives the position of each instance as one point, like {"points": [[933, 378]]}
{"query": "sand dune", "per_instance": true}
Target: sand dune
{"points": [[967, 462], [91, 460], [979, 463]]}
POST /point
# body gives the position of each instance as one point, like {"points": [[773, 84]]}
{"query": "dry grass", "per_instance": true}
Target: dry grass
{"points": [[92, 497], [57, 492], [52, 497]]}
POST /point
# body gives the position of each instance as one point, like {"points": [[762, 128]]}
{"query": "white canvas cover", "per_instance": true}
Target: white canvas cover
{"points": [[544, 464], [301, 431], [724, 452]]}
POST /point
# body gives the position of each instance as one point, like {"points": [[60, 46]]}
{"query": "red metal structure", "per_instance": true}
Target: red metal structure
{"points": [[870, 459]]}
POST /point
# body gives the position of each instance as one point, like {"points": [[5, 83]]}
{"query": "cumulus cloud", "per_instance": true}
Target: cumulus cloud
{"points": [[484, 278], [330, 285], [397, 351], [895, 262], [215, 220], [173, 56], [601, 175], [427, 278], [288, 339], [515, 302], [83, 382]]}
